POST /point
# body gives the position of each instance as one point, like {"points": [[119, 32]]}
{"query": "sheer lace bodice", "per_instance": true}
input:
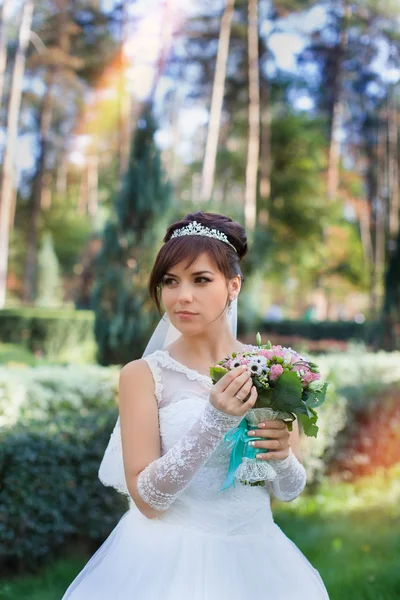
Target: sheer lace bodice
{"points": [[195, 458]]}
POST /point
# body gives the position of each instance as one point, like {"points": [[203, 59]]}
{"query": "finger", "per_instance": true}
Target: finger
{"points": [[251, 400], [273, 433], [238, 382], [280, 455], [268, 444], [229, 377], [246, 387], [274, 424]]}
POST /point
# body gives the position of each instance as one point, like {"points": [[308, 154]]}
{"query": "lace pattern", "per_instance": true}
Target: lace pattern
{"points": [[164, 479], [156, 372], [195, 458], [166, 361], [290, 480]]}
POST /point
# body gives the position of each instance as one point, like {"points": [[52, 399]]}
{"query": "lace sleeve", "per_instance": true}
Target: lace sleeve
{"points": [[291, 478], [164, 479]]}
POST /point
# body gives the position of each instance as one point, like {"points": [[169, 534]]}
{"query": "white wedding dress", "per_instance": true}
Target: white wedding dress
{"points": [[208, 545]]}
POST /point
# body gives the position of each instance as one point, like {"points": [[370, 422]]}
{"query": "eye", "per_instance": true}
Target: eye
{"points": [[166, 281]]}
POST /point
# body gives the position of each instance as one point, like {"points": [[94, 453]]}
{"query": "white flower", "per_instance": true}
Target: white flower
{"points": [[287, 358], [258, 365]]}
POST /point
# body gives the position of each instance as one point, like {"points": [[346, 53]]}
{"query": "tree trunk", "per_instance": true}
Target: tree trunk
{"points": [[364, 220], [61, 176], [3, 45], [37, 187], [83, 192], [125, 106], [393, 175], [92, 184], [45, 197], [7, 181], [254, 118], [337, 109], [166, 35], [380, 220], [265, 163], [214, 122]]}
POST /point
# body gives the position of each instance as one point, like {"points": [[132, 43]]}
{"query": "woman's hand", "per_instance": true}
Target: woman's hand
{"points": [[278, 446], [234, 393]]}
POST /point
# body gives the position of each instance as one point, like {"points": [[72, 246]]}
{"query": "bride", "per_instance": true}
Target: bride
{"points": [[183, 538]]}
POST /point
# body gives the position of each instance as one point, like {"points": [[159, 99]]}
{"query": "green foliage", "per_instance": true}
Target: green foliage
{"points": [[49, 488], [316, 330], [125, 315], [56, 423], [15, 354], [69, 229], [48, 392], [357, 380], [49, 284], [59, 335]]}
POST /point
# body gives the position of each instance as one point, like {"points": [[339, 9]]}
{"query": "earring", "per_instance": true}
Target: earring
{"points": [[230, 308]]}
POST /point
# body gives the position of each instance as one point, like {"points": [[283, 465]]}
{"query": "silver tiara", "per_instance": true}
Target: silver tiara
{"points": [[195, 228]]}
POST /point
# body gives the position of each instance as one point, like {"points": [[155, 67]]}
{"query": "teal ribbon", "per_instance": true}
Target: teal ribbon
{"points": [[238, 439]]}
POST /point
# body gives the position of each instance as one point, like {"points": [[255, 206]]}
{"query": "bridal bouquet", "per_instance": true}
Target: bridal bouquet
{"points": [[288, 386]]}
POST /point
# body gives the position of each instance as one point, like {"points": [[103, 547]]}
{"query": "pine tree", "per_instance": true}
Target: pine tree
{"points": [[49, 282], [125, 315]]}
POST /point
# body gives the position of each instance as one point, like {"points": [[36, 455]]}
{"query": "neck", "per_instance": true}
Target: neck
{"points": [[207, 348]]}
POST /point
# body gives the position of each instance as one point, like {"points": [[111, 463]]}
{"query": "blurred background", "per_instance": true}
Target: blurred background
{"points": [[118, 117]]}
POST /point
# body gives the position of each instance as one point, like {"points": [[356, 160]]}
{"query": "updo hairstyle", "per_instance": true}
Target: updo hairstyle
{"points": [[190, 247]]}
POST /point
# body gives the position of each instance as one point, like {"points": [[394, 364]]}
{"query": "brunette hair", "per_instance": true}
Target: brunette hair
{"points": [[190, 247]]}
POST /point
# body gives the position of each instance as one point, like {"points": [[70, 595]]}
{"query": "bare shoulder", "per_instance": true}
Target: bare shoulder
{"points": [[136, 373]]}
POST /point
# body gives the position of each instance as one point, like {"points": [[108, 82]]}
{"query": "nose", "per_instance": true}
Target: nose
{"points": [[185, 293]]}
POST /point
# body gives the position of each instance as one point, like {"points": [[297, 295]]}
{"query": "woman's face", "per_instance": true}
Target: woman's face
{"points": [[201, 289]]}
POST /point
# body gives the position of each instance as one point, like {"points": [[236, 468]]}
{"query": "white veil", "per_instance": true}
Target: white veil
{"points": [[111, 471]]}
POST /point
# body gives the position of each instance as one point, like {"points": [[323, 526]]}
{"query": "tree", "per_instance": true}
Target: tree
{"points": [[60, 67], [3, 45], [214, 122], [7, 180], [250, 201], [49, 282], [124, 312]]}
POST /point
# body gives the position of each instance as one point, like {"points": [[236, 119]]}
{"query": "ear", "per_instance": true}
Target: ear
{"points": [[234, 286]]}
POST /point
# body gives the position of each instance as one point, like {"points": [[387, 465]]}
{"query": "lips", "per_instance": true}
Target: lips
{"points": [[184, 312]]}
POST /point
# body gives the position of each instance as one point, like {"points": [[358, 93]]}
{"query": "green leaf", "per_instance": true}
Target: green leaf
{"points": [[258, 339], [313, 397], [309, 424], [216, 373], [286, 392]]}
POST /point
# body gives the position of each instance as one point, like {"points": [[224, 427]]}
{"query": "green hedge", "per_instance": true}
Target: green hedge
{"points": [[46, 392], [49, 492], [59, 335], [317, 330]]}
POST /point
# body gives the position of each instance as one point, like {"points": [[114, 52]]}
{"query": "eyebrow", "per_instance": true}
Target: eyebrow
{"points": [[195, 273]]}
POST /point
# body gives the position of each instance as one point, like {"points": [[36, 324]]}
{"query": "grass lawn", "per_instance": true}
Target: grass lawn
{"points": [[349, 532]]}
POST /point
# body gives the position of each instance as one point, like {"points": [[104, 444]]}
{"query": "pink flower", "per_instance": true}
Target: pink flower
{"points": [[278, 351], [267, 353], [308, 377], [276, 371]]}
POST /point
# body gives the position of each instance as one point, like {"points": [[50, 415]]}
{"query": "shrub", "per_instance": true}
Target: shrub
{"points": [[44, 393], [358, 380], [49, 489], [315, 330], [58, 334], [12, 354]]}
